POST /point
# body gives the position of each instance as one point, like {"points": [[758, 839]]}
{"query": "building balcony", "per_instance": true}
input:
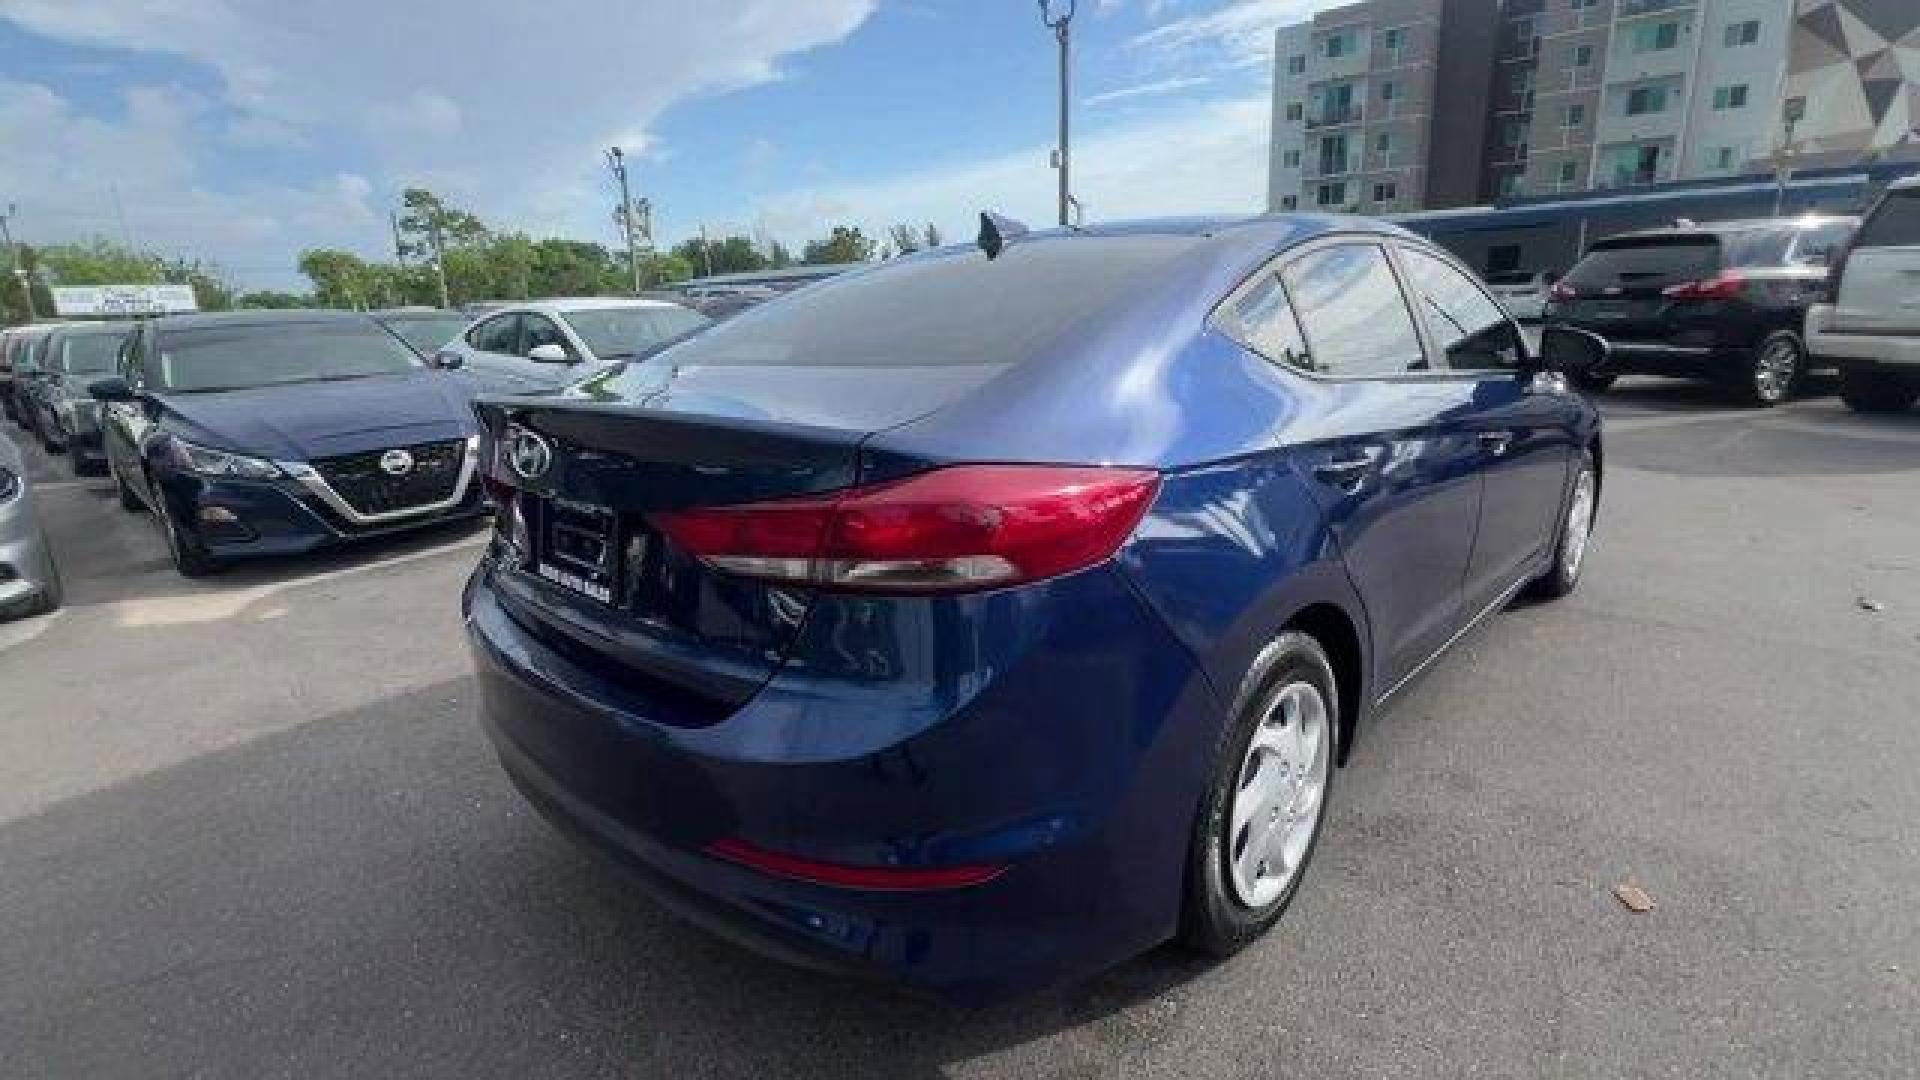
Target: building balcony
{"points": [[1630, 8], [1334, 117]]}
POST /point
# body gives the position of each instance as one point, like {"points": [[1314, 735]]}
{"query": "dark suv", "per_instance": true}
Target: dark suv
{"points": [[1722, 301]]}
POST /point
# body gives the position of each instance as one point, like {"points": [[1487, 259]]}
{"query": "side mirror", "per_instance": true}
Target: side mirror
{"points": [[447, 360], [111, 389], [549, 354], [1568, 351]]}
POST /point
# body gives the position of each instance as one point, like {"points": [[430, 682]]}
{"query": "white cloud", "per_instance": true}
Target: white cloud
{"points": [[1159, 86], [1239, 33], [504, 105], [1203, 157]]}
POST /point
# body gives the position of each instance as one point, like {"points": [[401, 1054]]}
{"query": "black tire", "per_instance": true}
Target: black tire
{"points": [[129, 499], [1763, 386], [1215, 921], [1878, 391], [1592, 382], [1564, 575], [189, 558]]}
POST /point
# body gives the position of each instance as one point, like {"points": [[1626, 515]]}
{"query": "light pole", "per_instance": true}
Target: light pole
{"points": [[13, 251], [1791, 110], [1061, 25], [617, 161]]}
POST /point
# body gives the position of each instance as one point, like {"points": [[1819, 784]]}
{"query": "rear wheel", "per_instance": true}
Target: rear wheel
{"points": [[1264, 808], [1777, 364], [1878, 392]]}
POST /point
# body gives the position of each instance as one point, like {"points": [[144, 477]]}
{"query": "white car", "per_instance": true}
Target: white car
{"points": [[1871, 330], [1524, 293], [541, 344]]}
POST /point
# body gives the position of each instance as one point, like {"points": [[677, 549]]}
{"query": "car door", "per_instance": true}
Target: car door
{"points": [[1382, 442], [123, 424], [1880, 276], [1522, 425]]}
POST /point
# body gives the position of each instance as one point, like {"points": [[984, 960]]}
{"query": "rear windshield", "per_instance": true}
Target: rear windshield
{"points": [[615, 332], [88, 354], [1647, 260], [238, 357], [427, 333], [1896, 223], [950, 310]]}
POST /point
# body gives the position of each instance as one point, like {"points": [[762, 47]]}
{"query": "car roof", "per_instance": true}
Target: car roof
{"points": [[257, 317], [1719, 228], [385, 314], [93, 328], [589, 303]]}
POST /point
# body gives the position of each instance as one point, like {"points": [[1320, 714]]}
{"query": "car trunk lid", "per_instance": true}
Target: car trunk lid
{"points": [[1619, 288]]}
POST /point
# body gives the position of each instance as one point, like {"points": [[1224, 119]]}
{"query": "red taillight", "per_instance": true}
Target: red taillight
{"points": [[949, 530], [1561, 291], [839, 875], [1725, 285]]}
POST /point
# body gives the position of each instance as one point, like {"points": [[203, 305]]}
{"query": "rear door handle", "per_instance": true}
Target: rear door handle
{"points": [[1496, 442], [1347, 470]]}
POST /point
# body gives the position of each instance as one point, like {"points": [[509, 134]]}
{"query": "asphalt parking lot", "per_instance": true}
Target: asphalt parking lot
{"points": [[248, 827]]}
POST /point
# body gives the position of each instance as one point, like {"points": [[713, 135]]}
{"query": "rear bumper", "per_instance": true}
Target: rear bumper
{"points": [[1860, 352], [1088, 808]]}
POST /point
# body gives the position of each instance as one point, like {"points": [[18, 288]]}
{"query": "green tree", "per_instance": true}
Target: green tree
{"points": [[269, 298], [340, 278], [666, 268], [725, 255], [575, 268], [845, 244], [431, 228]]}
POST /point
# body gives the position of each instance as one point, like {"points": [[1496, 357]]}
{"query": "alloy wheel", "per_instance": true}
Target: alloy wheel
{"points": [[1282, 791], [1774, 369]]}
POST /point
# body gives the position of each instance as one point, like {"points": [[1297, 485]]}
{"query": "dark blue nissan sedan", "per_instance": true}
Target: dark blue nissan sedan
{"points": [[276, 432], [988, 616]]}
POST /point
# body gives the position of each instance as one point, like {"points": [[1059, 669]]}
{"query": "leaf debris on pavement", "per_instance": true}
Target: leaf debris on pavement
{"points": [[1634, 897]]}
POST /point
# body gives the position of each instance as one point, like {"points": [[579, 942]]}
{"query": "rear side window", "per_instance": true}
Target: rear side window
{"points": [[1356, 321], [1647, 260], [500, 334], [948, 310], [1262, 320], [1818, 243], [1895, 223], [1475, 335]]}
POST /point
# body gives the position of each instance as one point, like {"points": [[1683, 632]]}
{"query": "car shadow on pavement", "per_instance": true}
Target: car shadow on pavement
{"points": [[364, 894]]}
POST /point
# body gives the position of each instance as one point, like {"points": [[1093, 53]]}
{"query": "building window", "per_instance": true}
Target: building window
{"points": [[1289, 202], [1581, 56], [1521, 80], [1645, 100], [1383, 143], [1730, 97], [1509, 185], [1742, 33], [1514, 134], [1336, 45], [1392, 40], [1332, 194], [1581, 5], [1655, 37], [1574, 115], [1386, 192], [1569, 171], [1295, 110], [1387, 90], [1723, 157], [1290, 159], [1296, 65]]}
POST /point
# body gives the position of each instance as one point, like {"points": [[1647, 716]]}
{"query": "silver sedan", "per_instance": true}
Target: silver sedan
{"points": [[29, 581]]}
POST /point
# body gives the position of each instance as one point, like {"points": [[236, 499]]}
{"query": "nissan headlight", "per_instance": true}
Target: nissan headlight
{"points": [[208, 462]]}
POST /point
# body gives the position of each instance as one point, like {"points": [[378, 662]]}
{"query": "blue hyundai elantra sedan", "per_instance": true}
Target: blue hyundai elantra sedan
{"points": [[986, 617]]}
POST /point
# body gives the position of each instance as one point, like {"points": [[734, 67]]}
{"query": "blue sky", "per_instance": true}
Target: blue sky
{"points": [[242, 131]]}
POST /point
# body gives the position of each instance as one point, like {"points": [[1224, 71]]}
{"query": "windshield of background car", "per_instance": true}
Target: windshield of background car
{"points": [[950, 310], [1510, 279], [611, 332], [1647, 261], [271, 354], [87, 354], [427, 334]]}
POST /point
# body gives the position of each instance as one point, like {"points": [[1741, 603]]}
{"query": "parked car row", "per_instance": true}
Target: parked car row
{"points": [[256, 433]]}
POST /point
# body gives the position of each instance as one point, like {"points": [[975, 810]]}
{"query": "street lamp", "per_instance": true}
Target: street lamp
{"points": [[1060, 25]]}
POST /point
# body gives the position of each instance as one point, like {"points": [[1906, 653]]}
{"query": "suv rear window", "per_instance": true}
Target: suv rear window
{"points": [[1647, 260], [948, 310], [1895, 223], [1756, 247]]}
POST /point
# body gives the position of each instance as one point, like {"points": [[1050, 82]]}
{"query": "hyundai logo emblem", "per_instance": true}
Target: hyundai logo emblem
{"points": [[396, 463], [529, 454]]}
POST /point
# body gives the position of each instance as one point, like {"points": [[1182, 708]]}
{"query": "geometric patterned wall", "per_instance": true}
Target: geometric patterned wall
{"points": [[1857, 64]]}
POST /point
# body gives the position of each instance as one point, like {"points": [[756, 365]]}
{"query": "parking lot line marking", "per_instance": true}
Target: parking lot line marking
{"points": [[214, 606]]}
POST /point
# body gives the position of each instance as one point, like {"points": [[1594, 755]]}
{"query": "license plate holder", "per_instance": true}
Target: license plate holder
{"points": [[579, 549]]}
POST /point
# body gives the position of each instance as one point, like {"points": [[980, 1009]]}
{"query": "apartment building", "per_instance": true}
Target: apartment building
{"points": [[1380, 106]]}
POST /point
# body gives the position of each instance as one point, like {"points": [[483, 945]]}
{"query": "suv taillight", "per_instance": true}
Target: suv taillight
{"points": [[951, 530], [1725, 285]]}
